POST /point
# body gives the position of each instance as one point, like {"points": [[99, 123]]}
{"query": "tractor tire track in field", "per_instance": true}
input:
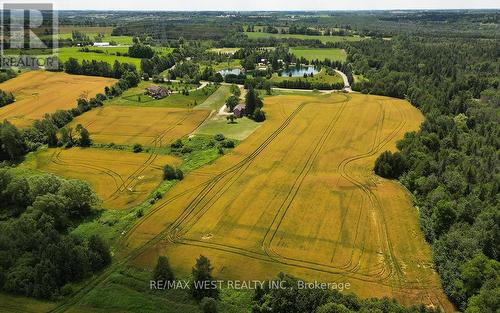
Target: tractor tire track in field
{"points": [[56, 159], [245, 252], [84, 290], [157, 142], [233, 170], [287, 202], [177, 234], [341, 169], [198, 215], [215, 178]]}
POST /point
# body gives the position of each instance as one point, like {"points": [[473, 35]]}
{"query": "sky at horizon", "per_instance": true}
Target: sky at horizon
{"points": [[263, 5]]}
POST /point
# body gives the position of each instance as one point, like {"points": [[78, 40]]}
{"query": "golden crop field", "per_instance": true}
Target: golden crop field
{"points": [[120, 179], [40, 92], [299, 196], [148, 126]]}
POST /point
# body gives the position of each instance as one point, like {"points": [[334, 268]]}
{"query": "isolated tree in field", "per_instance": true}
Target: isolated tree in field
{"points": [[232, 102], [231, 118], [137, 148], [202, 272], [170, 173], [162, 270]]}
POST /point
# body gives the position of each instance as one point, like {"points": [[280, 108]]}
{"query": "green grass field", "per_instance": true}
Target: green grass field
{"points": [[240, 129], [72, 52], [136, 97], [92, 32], [320, 54], [321, 77], [323, 39], [216, 100], [108, 55]]}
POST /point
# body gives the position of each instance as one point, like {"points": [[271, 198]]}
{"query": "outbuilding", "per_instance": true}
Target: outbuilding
{"points": [[239, 110]]}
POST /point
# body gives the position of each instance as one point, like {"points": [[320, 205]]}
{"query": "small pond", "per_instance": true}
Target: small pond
{"points": [[234, 71], [299, 71]]}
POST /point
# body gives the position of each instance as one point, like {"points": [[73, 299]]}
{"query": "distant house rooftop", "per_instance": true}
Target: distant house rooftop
{"points": [[157, 92], [239, 110], [101, 44]]}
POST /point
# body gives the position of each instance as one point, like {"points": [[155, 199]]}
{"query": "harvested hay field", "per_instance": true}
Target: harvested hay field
{"points": [[299, 196], [120, 179], [40, 92], [147, 126]]}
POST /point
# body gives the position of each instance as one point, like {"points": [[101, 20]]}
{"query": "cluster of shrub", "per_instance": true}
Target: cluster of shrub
{"points": [[6, 74], [38, 255], [171, 173], [6, 98]]}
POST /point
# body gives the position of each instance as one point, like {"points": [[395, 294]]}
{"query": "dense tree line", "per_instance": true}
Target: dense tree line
{"points": [[452, 164], [38, 255], [6, 98], [98, 68], [292, 299], [304, 84], [157, 64], [142, 51]]}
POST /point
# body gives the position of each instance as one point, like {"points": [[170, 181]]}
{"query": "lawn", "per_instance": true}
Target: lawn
{"points": [[323, 39], [320, 54], [240, 129], [93, 32], [216, 100], [136, 97]]}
